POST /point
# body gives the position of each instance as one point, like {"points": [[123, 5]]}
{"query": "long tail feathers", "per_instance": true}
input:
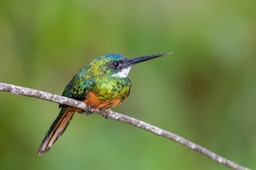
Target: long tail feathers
{"points": [[57, 128]]}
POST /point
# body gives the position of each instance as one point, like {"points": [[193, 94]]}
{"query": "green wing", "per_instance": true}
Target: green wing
{"points": [[78, 87]]}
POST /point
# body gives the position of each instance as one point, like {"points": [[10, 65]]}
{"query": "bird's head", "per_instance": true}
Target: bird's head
{"points": [[117, 65]]}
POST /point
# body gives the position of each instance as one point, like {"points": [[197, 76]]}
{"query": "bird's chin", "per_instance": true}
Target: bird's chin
{"points": [[123, 73]]}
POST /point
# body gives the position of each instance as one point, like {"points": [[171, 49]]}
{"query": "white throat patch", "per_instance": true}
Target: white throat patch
{"points": [[123, 73]]}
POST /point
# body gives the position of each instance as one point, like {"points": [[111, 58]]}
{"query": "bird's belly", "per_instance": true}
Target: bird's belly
{"points": [[108, 92], [92, 100]]}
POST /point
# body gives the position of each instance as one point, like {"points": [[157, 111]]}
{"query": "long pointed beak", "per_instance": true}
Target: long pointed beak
{"points": [[137, 60]]}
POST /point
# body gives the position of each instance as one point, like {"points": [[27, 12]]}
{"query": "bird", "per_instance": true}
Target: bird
{"points": [[103, 84]]}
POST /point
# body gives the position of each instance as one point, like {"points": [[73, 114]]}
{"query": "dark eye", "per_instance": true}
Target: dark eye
{"points": [[115, 64]]}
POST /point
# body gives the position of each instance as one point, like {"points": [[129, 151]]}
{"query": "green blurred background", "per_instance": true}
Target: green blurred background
{"points": [[205, 92]]}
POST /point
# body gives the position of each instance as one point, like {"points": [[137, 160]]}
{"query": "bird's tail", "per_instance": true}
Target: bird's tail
{"points": [[57, 128]]}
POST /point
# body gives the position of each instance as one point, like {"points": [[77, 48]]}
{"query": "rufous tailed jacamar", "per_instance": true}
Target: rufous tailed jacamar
{"points": [[104, 83]]}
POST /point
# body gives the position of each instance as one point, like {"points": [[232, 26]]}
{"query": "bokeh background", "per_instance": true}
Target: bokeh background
{"points": [[204, 92]]}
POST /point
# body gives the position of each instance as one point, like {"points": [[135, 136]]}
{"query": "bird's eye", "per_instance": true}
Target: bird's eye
{"points": [[115, 64]]}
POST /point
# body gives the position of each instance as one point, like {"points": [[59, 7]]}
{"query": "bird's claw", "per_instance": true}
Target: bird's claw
{"points": [[106, 112], [87, 112]]}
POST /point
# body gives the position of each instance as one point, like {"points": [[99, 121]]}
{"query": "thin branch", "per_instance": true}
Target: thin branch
{"points": [[18, 90]]}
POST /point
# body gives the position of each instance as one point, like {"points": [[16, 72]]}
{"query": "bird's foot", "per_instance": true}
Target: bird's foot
{"points": [[87, 112], [106, 112]]}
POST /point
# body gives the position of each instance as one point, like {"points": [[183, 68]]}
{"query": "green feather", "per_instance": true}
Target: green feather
{"points": [[97, 77]]}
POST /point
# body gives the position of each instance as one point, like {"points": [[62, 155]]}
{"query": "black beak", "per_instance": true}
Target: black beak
{"points": [[137, 60]]}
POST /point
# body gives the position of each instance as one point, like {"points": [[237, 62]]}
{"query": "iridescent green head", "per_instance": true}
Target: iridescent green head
{"points": [[117, 65]]}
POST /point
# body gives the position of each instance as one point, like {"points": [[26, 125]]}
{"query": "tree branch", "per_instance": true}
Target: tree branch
{"points": [[18, 90]]}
